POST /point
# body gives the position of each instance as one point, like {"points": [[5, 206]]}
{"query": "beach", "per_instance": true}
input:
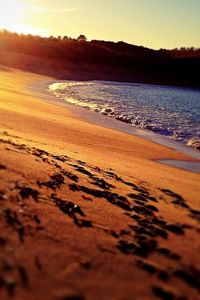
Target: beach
{"points": [[87, 212]]}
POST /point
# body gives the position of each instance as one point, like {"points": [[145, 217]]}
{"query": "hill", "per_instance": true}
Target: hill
{"points": [[79, 59]]}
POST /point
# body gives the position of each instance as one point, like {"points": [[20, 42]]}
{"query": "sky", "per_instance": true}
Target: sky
{"points": [[152, 23]]}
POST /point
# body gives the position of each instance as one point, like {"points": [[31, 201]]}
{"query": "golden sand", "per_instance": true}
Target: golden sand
{"points": [[86, 211]]}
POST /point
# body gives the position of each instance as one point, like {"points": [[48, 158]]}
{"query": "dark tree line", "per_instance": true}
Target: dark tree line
{"points": [[102, 60]]}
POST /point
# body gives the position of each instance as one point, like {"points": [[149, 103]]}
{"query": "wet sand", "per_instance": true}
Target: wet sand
{"points": [[86, 211]]}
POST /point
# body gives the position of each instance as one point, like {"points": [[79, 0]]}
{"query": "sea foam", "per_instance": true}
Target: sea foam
{"points": [[166, 110]]}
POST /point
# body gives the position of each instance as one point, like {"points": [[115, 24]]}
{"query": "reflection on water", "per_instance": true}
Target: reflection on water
{"points": [[186, 165]]}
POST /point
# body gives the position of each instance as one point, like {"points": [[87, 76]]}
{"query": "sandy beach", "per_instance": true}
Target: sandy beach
{"points": [[86, 211]]}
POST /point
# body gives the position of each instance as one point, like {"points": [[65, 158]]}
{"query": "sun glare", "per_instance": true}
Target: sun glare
{"points": [[10, 14], [12, 18]]}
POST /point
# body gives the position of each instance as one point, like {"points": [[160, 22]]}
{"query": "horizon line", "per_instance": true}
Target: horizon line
{"points": [[100, 40]]}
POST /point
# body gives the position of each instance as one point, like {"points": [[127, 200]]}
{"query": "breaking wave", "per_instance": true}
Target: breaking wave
{"points": [[169, 111]]}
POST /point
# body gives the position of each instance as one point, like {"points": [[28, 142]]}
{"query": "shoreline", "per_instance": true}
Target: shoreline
{"points": [[86, 211], [182, 164], [41, 88]]}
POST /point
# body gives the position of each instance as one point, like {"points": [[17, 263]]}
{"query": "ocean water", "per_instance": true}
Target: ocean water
{"points": [[166, 110]]}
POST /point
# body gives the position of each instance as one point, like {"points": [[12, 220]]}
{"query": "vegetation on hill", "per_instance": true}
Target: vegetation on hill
{"points": [[68, 58]]}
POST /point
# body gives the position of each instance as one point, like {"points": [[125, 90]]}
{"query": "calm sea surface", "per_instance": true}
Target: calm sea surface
{"points": [[169, 111]]}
